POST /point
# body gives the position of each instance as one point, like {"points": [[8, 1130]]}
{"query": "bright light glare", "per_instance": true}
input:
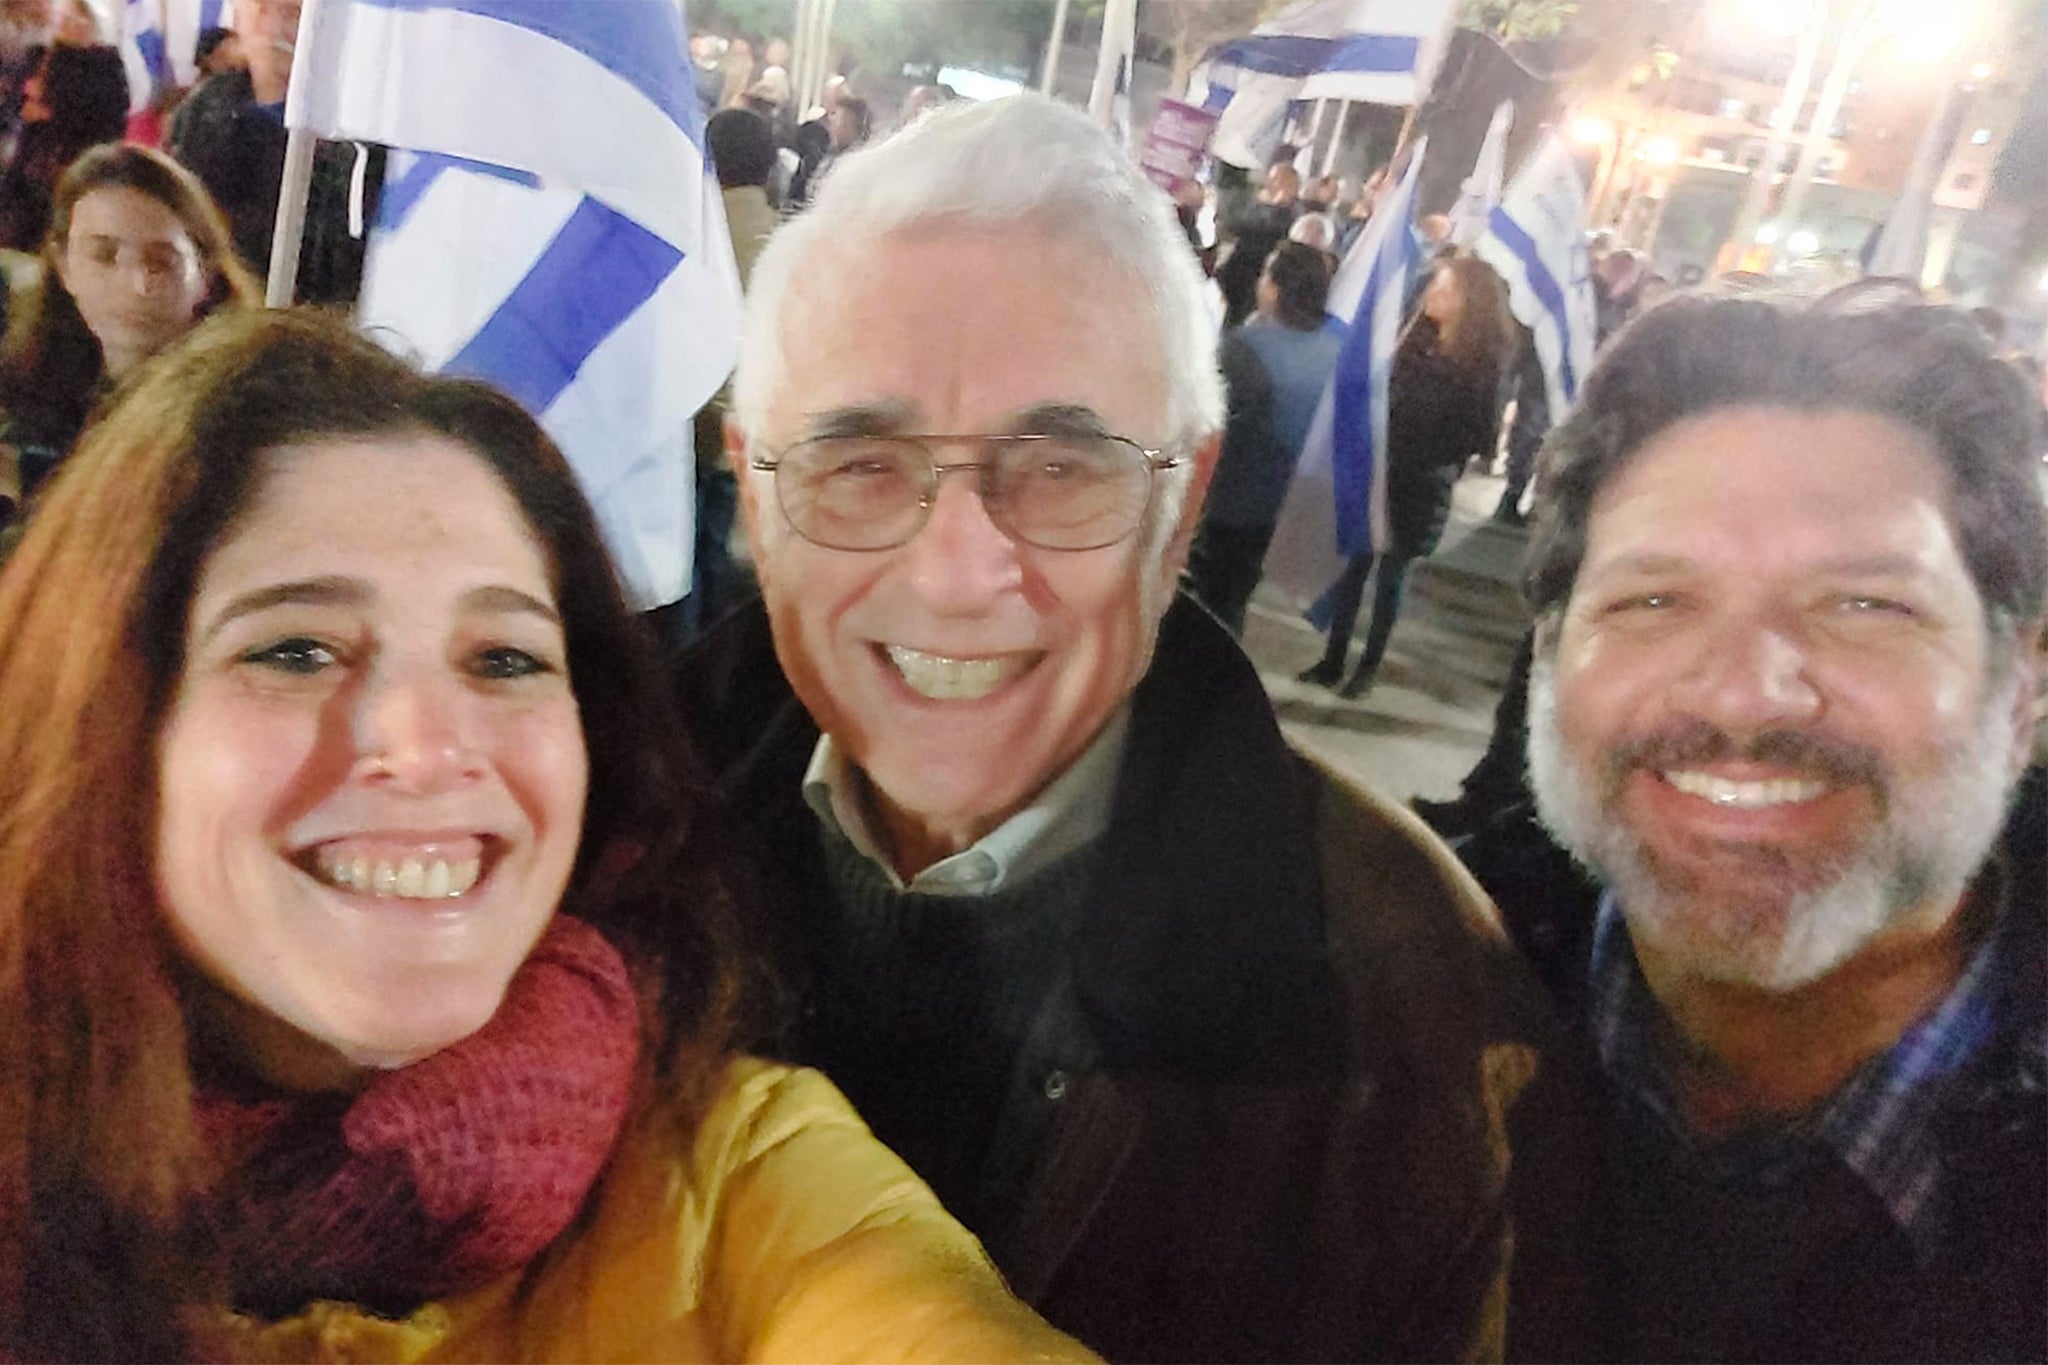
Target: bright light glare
{"points": [[1661, 151], [1802, 243], [1767, 235], [1981, 71], [1773, 18], [2044, 281], [1590, 129], [1925, 34]]}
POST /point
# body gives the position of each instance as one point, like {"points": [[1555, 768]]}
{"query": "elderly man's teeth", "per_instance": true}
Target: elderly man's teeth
{"points": [[419, 879], [943, 679], [1745, 795]]}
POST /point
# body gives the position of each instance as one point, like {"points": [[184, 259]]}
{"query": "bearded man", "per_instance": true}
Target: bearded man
{"points": [[1789, 572]]}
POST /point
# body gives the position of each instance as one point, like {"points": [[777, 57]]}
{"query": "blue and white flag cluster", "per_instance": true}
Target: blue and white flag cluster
{"points": [[160, 40], [556, 232], [1343, 466], [1536, 241], [1376, 51]]}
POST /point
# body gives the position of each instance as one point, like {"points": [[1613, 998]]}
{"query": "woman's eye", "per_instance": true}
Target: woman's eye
{"points": [[1641, 602], [298, 656], [504, 661]]}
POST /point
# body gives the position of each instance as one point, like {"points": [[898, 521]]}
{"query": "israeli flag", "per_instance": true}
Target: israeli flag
{"points": [[1536, 241], [558, 233], [1343, 466], [1375, 51], [1480, 194], [160, 42]]}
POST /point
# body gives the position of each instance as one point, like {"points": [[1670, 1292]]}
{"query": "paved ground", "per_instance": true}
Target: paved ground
{"points": [[1430, 711]]}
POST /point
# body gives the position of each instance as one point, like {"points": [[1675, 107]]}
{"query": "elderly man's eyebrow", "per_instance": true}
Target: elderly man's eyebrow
{"points": [[885, 417], [1058, 419]]}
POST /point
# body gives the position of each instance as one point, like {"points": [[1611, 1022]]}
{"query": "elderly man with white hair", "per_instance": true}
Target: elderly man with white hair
{"points": [[1218, 1053]]}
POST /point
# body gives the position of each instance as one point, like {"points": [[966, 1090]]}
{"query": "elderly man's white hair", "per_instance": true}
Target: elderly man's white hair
{"points": [[1021, 160]]}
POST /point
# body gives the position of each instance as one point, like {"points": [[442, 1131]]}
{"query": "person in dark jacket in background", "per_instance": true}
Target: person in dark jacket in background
{"points": [[1789, 572], [76, 97], [1276, 368], [230, 133], [1442, 409], [1262, 225]]}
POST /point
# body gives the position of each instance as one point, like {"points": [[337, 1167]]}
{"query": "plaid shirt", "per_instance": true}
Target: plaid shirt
{"points": [[1883, 1123]]}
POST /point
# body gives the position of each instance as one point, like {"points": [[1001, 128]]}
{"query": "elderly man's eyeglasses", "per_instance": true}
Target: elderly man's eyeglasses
{"points": [[1058, 492]]}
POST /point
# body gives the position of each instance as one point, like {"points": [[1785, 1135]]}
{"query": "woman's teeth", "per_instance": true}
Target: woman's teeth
{"points": [[420, 879], [1745, 795], [942, 679]]}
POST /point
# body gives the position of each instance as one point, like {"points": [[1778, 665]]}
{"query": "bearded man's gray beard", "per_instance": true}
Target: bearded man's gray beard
{"points": [[1930, 838]]}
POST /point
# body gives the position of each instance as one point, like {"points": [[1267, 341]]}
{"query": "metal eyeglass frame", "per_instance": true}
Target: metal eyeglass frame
{"points": [[1153, 461]]}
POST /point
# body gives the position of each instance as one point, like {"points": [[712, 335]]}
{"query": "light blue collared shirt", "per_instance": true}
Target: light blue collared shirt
{"points": [[1072, 811]]}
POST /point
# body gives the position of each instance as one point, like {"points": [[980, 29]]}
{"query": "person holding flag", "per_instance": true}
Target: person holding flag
{"points": [[1441, 409]]}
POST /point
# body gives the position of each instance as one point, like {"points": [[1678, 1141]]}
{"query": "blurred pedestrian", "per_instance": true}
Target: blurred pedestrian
{"points": [[136, 254], [1443, 408], [230, 133], [1277, 367], [75, 98], [1259, 227]]}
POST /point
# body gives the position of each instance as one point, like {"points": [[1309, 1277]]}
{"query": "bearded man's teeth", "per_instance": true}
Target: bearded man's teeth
{"points": [[942, 679], [419, 879], [1782, 791]]}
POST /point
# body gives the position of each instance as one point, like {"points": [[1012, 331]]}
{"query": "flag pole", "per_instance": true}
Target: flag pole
{"points": [[290, 226], [1053, 45], [291, 218], [1119, 18]]}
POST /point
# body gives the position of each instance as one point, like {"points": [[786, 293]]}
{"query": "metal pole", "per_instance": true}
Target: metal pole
{"points": [[278, 292], [1902, 246], [800, 60], [1119, 18], [1336, 137], [1856, 34], [1783, 122], [1053, 44]]}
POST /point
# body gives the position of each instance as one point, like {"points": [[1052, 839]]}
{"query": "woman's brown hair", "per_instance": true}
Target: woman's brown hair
{"points": [[100, 1165], [1483, 336], [50, 377]]}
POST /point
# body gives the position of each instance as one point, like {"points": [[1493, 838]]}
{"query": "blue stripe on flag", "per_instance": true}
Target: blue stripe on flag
{"points": [[209, 14], [156, 58], [1352, 457], [1545, 287], [599, 270], [1292, 54], [403, 192], [640, 41]]}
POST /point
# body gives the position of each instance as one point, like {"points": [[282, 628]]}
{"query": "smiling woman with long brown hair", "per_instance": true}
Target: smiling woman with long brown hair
{"points": [[370, 956]]}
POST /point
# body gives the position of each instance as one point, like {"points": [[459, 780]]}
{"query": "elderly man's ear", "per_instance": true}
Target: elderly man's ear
{"points": [[1204, 457]]}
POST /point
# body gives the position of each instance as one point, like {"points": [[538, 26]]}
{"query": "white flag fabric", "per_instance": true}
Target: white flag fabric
{"points": [[160, 41], [1375, 51], [1336, 506], [1536, 240], [1109, 99], [559, 235], [1480, 194]]}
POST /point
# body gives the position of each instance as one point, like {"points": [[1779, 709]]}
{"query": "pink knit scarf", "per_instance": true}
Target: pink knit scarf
{"points": [[443, 1175]]}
